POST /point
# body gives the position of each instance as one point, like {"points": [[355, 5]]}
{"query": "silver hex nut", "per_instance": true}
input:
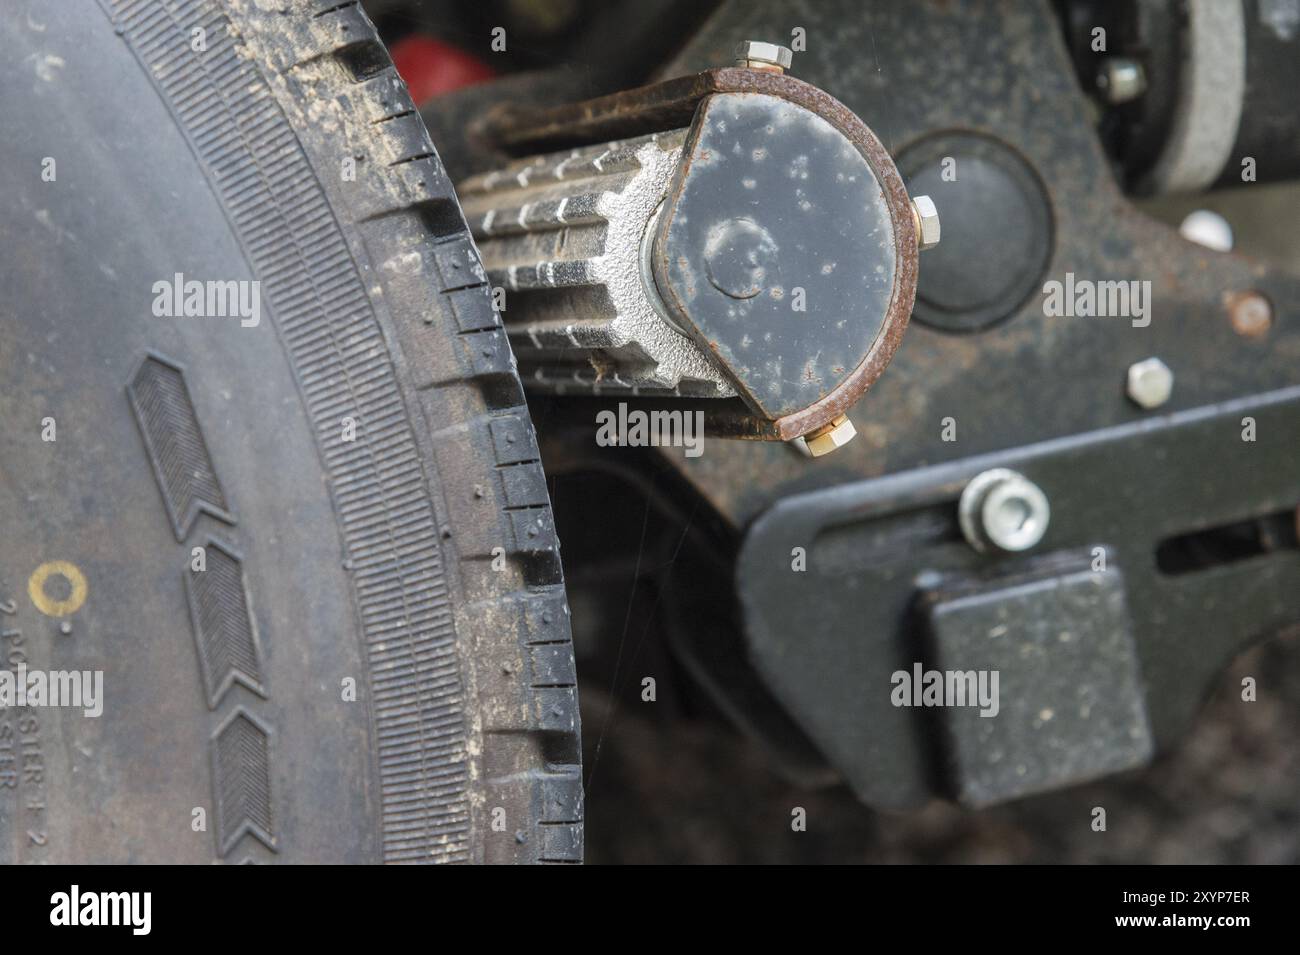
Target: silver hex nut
{"points": [[1150, 383], [927, 222]]}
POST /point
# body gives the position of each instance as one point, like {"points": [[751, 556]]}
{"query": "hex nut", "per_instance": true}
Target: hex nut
{"points": [[927, 222], [1207, 228], [1150, 383], [1001, 509], [1121, 80], [759, 55], [830, 436]]}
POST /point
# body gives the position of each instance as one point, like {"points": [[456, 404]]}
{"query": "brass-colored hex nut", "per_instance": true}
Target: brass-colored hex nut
{"points": [[830, 436], [758, 55], [927, 222]]}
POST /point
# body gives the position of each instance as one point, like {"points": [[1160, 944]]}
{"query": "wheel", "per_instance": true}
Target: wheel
{"points": [[265, 462]]}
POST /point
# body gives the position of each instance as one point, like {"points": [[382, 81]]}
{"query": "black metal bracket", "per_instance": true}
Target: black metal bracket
{"points": [[1209, 562]]}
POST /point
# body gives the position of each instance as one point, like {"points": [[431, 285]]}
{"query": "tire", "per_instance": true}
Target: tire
{"points": [[312, 554]]}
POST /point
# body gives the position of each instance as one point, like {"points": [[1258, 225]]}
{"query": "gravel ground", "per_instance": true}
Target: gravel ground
{"points": [[695, 792]]}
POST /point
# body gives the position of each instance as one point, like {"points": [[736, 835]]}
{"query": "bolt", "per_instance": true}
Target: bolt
{"points": [[1150, 382], [1121, 79], [926, 217], [1208, 228], [757, 55], [1003, 510], [1251, 314], [828, 437]]}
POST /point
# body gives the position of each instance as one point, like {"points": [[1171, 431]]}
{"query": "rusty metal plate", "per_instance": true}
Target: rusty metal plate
{"points": [[675, 102], [776, 249]]}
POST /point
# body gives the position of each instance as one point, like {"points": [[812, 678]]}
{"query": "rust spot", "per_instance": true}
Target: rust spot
{"points": [[602, 366], [1250, 312]]}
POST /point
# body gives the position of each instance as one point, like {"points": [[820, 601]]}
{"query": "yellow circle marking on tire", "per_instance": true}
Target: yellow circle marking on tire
{"points": [[57, 608]]}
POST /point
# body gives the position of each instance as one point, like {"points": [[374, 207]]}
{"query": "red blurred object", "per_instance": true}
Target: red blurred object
{"points": [[431, 67]]}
